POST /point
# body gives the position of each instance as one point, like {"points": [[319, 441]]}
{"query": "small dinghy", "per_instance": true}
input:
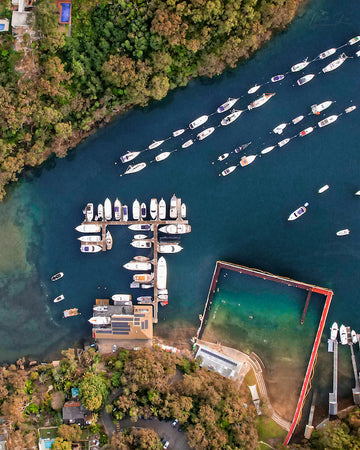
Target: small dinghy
{"points": [[344, 232], [223, 156], [350, 109], [323, 189]]}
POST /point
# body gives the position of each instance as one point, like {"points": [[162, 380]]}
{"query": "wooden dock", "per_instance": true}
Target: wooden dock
{"points": [[155, 241]]}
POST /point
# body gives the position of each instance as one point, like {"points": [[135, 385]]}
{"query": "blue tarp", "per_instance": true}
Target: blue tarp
{"points": [[2, 26], [65, 12]]}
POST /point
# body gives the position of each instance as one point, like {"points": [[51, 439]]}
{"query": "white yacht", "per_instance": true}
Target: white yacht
{"points": [[90, 238], [317, 109], [136, 210], [280, 128], [344, 232], [350, 109], [141, 227], [327, 53], [143, 210], [143, 277], [162, 209], [354, 337], [231, 117], [162, 156], [305, 79], [334, 331], [267, 149], [323, 189], [134, 169], [161, 273], [230, 102], [246, 160], [153, 208], [125, 213], [178, 132], [254, 89], [117, 209], [100, 211], [108, 240], [88, 228], [354, 40], [261, 100], [297, 119], [140, 236], [169, 248], [90, 248], [59, 298], [228, 170], [176, 229], [187, 143], [205, 133], [145, 299], [155, 144], [129, 156], [173, 207], [197, 122], [283, 142], [336, 63], [99, 320], [102, 308], [107, 209], [137, 265], [300, 66], [307, 130], [343, 335], [223, 156], [183, 210], [327, 121], [141, 243], [298, 212], [89, 212]]}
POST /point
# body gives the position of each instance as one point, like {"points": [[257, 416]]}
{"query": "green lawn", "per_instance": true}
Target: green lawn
{"points": [[268, 429], [50, 433]]}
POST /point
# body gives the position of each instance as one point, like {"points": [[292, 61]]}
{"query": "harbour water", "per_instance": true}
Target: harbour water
{"points": [[241, 218]]}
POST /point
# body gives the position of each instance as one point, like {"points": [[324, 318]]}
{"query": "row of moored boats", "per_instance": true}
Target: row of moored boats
{"points": [[346, 335]]}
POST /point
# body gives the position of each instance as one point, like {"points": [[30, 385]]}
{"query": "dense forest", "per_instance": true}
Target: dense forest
{"points": [[60, 85]]}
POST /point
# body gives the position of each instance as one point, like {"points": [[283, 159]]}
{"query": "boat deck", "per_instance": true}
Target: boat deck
{"points": [[155, 240]]}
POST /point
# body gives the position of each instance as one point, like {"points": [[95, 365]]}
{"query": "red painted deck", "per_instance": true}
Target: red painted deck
{"points": [[289, 282]]}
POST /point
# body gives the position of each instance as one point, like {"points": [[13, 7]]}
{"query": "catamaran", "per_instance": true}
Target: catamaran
{"points": [[230, 102]]}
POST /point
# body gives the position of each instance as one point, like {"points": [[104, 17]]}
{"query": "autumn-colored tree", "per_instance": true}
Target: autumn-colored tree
{"points": [[136, 439], [60, 444], [93, 391], [70, 433]]}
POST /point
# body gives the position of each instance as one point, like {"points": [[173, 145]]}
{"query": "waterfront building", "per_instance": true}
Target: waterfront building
{"points": [[213, 360]]}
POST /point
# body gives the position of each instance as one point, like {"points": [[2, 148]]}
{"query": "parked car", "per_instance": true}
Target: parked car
{"points": [[114, 348], [166, 445], [175, 423]]}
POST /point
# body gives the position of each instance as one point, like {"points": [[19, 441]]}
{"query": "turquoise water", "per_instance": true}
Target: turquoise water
{"points": [[240, 218]]}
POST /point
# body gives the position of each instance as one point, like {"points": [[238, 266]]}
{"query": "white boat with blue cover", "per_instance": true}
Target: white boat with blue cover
{"points": [[230, 102], [298, 212], [228, 170], [90, 248], [305, 79], [129, 156], [277, 78], [125, 213], [117, 209]]}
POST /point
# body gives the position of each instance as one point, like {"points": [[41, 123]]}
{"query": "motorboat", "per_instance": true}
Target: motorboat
{"points": [[242, 147], [336, 63], [317, 109], [344, 232], [90, 248], [88, 228], [134, 285], [137, 265], [162, 209], [167, 248], [277, 78], [155, 144], [143, 277], [230, 102], [327, 53], [141, 258], [280, 128], [146, 285], [267, 149], [205, 133], [231, 117], [334, 331], [343, 335], [129, 156], [125, 213], [90, 238], [136, 168], [164, 303], [327, 121], [178, 132], [107, 209], [354, 337], [99, 320], [121, 297], [228, 170], [323, 189], [89, 212], [307, 130], [357, 53], [161, 278], [57, 276], [297, 119], [298, 212], [357, 193], [141, 227], [283, 142], [145, 299], [59, 298], [305, 79], [254, 89], [72, 312], [136, 210], [350, 109], [153, 208], [108, 240], [100, 308], [197, 122], [183, 210], [300, 66], [141, 243], [176, 229], [163, 297], [100, 211], [187, 143], [354, 40], [143, 210], [173, 207], [246, 160], [140, 236], [261, 100], [117, 209], [162, 156]]}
